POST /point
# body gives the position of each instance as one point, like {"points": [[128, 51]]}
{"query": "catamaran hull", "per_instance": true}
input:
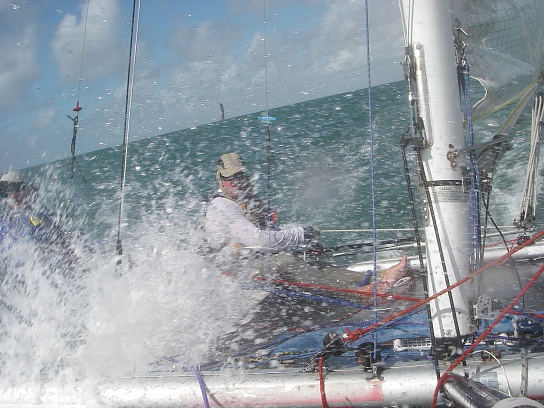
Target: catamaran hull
{"points": [[403, 384], [533, 252]]}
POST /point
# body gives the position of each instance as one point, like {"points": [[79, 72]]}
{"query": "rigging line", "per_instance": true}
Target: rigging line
{"points": [[482, 336], [77, 109], [354, 335], [203, 388], [407, 23], [366, 230], [404, 142], [500, 364], [322, 392], [325, 287], [527, 213], [83, 50], [265, 60], [504, 241], [372, 171], [74, 163], [485, 201], [268, 152], [128, 105], [396, 229], [418, 239], [432, 214], [475, 195], [266, 118]]}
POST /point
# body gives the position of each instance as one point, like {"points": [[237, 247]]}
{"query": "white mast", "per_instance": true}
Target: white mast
{"points": [[434, 94]]}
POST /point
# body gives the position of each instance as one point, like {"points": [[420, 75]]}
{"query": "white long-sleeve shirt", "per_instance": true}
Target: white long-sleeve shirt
{"points": [[226, 224]]}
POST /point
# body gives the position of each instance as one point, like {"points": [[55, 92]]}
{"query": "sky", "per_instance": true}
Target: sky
{"points": [[191, 55]]}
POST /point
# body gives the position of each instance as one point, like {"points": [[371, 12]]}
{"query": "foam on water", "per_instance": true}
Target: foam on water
{"points": [[70, 322]]}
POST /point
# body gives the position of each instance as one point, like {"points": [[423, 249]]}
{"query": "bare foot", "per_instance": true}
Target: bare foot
{"points": [[388, 278], [396, 272]]}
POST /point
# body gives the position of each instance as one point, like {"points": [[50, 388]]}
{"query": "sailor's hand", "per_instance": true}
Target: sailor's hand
{"points": [[311, 233], [316, 248], [271, 215]]}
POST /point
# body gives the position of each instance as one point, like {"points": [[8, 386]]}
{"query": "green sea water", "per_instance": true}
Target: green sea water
{"points": [[330, 167], [336, 163]]}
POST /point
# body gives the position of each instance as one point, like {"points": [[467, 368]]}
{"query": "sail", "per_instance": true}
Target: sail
{"points": [[503, 44]]}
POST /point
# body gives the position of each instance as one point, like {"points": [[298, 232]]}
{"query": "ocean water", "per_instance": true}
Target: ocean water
{"points": [[76, 320]]}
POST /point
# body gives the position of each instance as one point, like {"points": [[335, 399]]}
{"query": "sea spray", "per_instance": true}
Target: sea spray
{"points": [[165, 308], [43, 298], [75, 317], [166, 311]]}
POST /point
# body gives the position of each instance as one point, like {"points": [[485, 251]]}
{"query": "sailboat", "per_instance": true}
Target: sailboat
{"points": [[458, 364], [500, 43]]}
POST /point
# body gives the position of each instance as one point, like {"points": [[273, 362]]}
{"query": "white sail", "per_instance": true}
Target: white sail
{"points": [[503, 41]]}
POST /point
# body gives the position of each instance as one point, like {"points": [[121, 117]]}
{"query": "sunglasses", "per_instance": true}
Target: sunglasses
{"points": [[238, 179]]}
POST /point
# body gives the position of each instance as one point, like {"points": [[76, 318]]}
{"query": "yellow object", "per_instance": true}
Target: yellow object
{"points": [[35, 221]]}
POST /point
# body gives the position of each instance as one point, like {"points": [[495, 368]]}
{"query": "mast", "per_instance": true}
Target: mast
{"points": [[431, 71]]}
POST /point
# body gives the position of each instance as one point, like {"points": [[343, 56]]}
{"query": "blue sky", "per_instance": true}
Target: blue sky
{"points": [[192, 55]]}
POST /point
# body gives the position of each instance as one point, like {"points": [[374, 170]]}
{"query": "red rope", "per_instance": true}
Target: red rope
{"points": [[327, 288], [534, 315], [357, 333], [509, 241], [484, 334], [324, 403]]}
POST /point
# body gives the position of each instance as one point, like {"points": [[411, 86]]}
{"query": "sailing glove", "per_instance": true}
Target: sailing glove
{"points": [[311, 233], [316, 248]]}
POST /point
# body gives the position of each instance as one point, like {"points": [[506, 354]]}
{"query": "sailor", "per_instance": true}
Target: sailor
{"points": [[236, 217], [14, 185], [20, 217], [14, 191], [291, 292]]}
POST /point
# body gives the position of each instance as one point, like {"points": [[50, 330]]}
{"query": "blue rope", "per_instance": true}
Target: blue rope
{"points": [[475, 190], [372, 182], [317, 298], [202, 387]]}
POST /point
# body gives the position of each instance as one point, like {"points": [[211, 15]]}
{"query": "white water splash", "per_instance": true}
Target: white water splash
{"points": [[69, 326]]}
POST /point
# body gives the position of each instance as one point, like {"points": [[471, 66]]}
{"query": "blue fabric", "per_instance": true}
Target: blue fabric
{"points": [[14, 228], [19, 226]]}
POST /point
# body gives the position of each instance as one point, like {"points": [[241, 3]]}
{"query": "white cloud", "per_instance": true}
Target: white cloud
{"points": [[305, 61], [223, 61], [184, 70], [45, 118], [95, 32], [18, 66]]}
